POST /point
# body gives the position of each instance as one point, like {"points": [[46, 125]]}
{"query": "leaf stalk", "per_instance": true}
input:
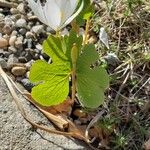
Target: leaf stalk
{"points": [[74, 56], [86, 31]]}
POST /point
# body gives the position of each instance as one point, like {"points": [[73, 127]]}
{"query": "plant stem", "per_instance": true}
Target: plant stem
{"points": [[75, 27], [74, 55], [57, 33], [86, 32], [73, 84]]}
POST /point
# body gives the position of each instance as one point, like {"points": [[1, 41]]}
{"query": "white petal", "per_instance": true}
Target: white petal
{"points": [[104, 37], [53, 14], [74, 4], [74, 15], [37, 9], [41, 12], [67, 8], [70, 8]]}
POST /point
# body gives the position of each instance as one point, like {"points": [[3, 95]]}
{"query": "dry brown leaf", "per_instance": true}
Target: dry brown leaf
{"points": [[63, 108]]}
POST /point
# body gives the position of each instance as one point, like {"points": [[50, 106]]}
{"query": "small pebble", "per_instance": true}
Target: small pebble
{"points": [[21, 23], [12, 40], [12, 49], [29, 64], [14, 33], [27, 84], [18, 70], [39, 47], [13, 11], [22, 59], [7, 29], [29, 35], [3, 63], [38, 29], [19, 42], [11, 61], [22, 31], [3, 42], [21, 8]]}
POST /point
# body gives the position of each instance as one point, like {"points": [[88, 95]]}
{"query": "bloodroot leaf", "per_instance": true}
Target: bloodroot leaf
{"points": [[52, 80], [51, 92], [91, 83]]}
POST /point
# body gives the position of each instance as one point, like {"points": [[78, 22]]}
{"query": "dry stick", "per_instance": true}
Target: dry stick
{"points": [[21, 109]]}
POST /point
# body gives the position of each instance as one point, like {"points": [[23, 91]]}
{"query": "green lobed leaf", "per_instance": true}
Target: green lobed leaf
{"points": [[52, 80], [91, 83]]}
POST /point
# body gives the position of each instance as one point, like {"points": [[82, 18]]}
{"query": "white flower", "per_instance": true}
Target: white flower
{"points": [[56, 13]]}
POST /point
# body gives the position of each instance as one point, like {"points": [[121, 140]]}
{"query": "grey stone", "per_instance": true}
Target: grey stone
{"points": [[13, 11], [29, 43], [38, 29], [14, 33], [39, 47], [12, 40], [2, 17], [11, 61], [29, 64], [112, 59], [21, 23], [4, 53], [27, 84], [22, 59], [29, 35], [3, 63], [23, 31], [16, 133], [7, 29], [12, 49], [19, 42], [21, 8], [8, 21]]}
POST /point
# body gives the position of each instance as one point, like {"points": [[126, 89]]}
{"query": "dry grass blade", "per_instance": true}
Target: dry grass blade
{"points": [[93, 121]]}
